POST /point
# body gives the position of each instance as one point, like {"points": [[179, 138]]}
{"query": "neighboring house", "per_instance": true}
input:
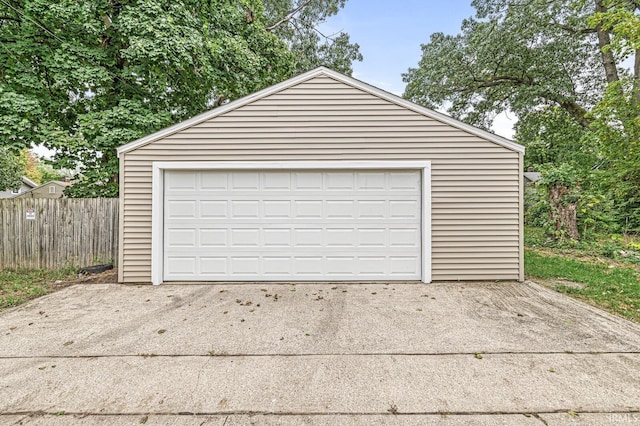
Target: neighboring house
{"points": [[26, 185], [51, 189], [321, 178], [531, 177]]}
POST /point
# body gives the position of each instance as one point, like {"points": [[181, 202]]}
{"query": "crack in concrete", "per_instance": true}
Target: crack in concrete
{"points": [[327, 413], [298, 355], [543, 421]]}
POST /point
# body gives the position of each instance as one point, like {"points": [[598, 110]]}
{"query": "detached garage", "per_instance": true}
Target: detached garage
{"points": [[321, 178]]}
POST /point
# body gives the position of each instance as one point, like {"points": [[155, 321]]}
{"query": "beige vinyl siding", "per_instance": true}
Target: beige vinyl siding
{"points": [[475, 182]]}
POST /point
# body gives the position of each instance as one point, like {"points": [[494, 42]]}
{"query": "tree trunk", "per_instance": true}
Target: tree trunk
{"points": [[604, 40], [563, 214]]}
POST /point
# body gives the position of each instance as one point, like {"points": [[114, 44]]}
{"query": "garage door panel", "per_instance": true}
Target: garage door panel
{"points": [[181, 181], [182, 266], [213, 266], [308, 181], [276, 209], [210, 180], [181, 209], [213, 237], [404, 237], [244, 181], [277, 237], [408, 209], [181, 238], [246, 266], [214, 209], [371, 181], [307, 237], [292, 225], [276, 181], [245, 237], [404, 265]]}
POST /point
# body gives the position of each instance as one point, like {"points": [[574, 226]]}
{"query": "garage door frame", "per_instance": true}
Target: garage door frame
{"points": [[157, 196]]}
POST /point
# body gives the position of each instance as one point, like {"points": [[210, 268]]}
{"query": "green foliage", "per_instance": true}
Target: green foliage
{"points": [[557, 66], [512, 56], [537, 211], [310, 47], [551, 135], [620, 17], [84, 77], [48, 173], [616, 128], [11, 170], [596, 211], [563, 174]]}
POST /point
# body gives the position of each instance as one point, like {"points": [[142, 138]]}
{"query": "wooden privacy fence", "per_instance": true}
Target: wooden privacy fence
{"points": [[55, 233]]}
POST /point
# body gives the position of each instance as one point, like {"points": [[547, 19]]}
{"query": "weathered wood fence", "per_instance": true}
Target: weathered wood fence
{"points": [[55, 233]]}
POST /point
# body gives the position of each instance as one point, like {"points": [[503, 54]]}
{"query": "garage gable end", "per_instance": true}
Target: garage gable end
{"points": [[312, 88]]}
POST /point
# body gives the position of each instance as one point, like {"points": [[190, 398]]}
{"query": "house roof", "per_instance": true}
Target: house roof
{"points": [[532, 176], [51, 182], [29, 182], [321, 71]]}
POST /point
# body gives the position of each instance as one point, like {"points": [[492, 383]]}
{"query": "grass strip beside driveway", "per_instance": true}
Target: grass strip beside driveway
{"points": [[611, 287], [19, 285]]}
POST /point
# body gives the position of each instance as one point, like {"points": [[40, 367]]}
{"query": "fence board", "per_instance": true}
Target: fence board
{"points": [[65, 232]]}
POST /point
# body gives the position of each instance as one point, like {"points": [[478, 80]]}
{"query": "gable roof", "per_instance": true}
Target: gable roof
{"points": [[532, 176], [51, 182], [321, 71], [29, 182]]}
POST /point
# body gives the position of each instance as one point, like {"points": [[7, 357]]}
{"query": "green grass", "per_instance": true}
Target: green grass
{"points": [[622, 248], [19, 285], [616, 289]]}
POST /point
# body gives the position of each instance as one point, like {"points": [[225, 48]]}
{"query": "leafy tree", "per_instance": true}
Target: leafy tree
{"points": [[551, 135], [10, 170], [84, 77], [30, 165], [616, 130], [48, 173], [296, 22], [516, 55], [557, 66]]}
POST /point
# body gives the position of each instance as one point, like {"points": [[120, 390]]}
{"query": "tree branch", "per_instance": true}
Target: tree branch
{"points": [[571, 106], [289, 15], [572, 30]]}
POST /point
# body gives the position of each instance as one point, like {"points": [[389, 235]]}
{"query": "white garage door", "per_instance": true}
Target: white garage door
{"points": [[292, 225]]}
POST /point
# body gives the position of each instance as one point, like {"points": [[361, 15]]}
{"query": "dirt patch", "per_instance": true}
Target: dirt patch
{"points": [[553, 284], [567, 283], [106, 277]]}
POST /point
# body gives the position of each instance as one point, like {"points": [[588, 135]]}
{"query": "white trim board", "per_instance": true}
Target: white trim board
{"points": [[338, 77], [157, 196]]}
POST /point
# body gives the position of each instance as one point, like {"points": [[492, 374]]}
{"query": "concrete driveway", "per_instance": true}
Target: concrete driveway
{"points": [[447, 353]]}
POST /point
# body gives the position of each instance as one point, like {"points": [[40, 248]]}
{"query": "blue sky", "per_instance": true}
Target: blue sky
{"points": [[390, 34]]}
